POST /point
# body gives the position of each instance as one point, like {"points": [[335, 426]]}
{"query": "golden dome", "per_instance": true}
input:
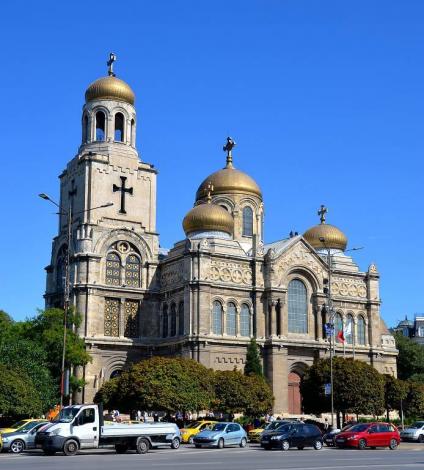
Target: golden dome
{"points": [[208, 216], [110, 88], [333, 237]]}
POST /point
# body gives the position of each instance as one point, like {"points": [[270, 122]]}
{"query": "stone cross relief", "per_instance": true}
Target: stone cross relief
{"points": [[123, 190]]}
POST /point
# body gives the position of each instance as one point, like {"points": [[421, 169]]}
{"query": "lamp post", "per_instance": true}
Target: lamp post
{"points": [[67, 290]]}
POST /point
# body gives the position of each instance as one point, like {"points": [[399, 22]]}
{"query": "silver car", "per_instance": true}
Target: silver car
{"points": [[23, 439], [415, 432]]}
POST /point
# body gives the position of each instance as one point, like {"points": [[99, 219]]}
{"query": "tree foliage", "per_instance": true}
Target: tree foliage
{"points": [[395, 391], [410, 360], [413, 405], [253, 364]]}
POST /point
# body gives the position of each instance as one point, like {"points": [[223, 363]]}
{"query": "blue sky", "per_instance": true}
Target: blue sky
{"points": [[324, 99]]}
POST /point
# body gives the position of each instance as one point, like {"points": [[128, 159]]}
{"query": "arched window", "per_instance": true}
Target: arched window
{"points": [[173, 320], [133, 132], [230, 324], [247, 221], [217, 318], [116, 373], [60, 268], [100, 125], [165, 321], [361, 330], [132, 271], [245, 320], [349, 333], [119, 127], [181, 318], [85, 129], [297, 307], [113, 269], [338, 325]]}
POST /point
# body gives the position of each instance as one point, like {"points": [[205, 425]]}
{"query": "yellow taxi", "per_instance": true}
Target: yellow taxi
{"points": [[254, 435], [188, 433], [21, 425]]}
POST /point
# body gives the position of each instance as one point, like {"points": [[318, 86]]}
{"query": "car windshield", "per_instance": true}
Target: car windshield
{"points": [[193, 425], [18, 424], [417, 425], [274, 425], [284, 428], [28, 426], [219, 427], [68, 414], [359, 428]]}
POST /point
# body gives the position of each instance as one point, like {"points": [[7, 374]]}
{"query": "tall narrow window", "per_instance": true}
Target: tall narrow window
{"points": [[349, 333], [165, 321], [131, 318], [132, 271], [230, 324], [217, 318], [247, 221], [173, 320], [100, 125], [113, 269], [85, 129], [245, 320], [111, 319], [119, 127], [338, 325], [361, 330], [181, 318], [297, 307], [60, 268], [133, 132]]}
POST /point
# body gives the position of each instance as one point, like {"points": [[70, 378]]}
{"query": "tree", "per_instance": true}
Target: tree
{"points": [[395, 391], [413, 405], [108, 394], [260, 397], [232, 395], [410, 360], [253, 364], [18, 396]]}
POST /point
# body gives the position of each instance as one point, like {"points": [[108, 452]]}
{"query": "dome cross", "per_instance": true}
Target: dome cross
{"points": [[228, 147], [322, 213], [112, 59]]}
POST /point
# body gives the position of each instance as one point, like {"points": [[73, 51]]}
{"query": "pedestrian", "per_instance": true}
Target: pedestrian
{"points": [[138, 415], [326, 425]]}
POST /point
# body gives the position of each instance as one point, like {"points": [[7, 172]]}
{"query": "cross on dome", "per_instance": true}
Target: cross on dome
{"points": [[322, 213], [228, 147], [112, 59]]}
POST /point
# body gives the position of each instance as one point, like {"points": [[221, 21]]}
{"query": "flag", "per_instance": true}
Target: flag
{"points": [[346, 331], [340, 336], [329, 329]]}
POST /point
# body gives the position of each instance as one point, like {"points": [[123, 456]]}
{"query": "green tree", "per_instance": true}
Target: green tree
{"points": [[253, 364], [410, 360], [260, 397], [413, 404], [108, 394], [18, 396], [395, 391], [231, 392]]}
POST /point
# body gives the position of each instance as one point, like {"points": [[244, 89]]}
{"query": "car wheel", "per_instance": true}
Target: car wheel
{"points": [[191, 440], [175, 443], [243, 442], [70, 447], [362, 444], [198, 446], [142, 446], [16, 447], [393, 444], [285, 445], [221, 443], [421, 438], [121, 448], [317, 445], [300, 447]]}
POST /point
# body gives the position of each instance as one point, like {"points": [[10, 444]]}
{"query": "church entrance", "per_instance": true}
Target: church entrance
{"points": [[295, 402]]}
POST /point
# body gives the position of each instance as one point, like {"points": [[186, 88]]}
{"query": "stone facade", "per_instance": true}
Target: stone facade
{"points": [[208, 295]]}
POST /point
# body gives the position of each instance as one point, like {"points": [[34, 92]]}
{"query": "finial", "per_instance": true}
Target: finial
{"points": [[112, 59], [209, 190], [322, 213], [228, 147]]}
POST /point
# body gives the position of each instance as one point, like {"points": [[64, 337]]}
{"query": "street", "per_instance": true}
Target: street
{"points": [[251, 458]]}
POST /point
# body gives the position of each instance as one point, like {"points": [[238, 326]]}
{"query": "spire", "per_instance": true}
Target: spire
{"points": [[228, 147], [112, 59], [322, 213]]}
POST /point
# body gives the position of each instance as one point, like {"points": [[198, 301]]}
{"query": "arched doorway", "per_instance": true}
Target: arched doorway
{"points": [[294, 398]]}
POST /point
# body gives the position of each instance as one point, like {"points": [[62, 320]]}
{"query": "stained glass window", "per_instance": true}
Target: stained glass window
{"points": [[297, 307], [113, 269], [245, 320], [217, 318], [132, 271], [349, 333], [173, 320], [361, 330], [165, 321], [247, 221], [181, 318], [230, 324], [111, 324], [132, 318]]}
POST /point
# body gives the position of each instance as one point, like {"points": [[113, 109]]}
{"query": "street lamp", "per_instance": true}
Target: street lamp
{"points": [[66, 302]]}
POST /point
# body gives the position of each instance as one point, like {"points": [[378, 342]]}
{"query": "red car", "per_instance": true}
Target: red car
{"points": [[369, 435]]}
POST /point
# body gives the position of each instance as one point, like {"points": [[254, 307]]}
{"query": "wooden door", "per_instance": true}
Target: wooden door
{"points": [[295, 402]]}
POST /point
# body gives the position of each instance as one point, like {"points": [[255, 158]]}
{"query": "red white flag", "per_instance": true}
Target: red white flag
{"points": [[340, 336], [346, 331]]}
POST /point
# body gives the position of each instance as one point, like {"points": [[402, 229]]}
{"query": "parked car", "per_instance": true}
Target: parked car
{"points": [[273, 427], [369, 435], [298, 435], [188, 432], [18, 441], [24, 424], [221, 435], [330, 437], [415, 432]]}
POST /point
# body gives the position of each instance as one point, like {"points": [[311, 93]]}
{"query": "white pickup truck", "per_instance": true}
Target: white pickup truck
{"points": [[82, 427]]}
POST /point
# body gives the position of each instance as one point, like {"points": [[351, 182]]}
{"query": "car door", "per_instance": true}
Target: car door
{"points": [[30, 440], [296, 438], [384, 432], [85, 428], [372, 436], [232, 434]]}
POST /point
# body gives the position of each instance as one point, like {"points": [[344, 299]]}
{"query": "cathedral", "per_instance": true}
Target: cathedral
{"points": [[213, 291]]}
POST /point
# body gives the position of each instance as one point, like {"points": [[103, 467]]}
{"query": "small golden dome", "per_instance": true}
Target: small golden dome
{"points": [[208, 216], [333, 237], [110, 88]]}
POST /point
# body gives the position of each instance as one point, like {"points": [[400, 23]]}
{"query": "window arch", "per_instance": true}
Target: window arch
{"points": [[173, 320], [297, 307], [132, 271], [349, 332], [100, 125], [85, 129], [119, 127], [247, 221], [181, 318], [245, 320], [217, 318], [338, 325], [230, 324], [116, 373], [113, 269], [361, 330], [165, 321]]}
